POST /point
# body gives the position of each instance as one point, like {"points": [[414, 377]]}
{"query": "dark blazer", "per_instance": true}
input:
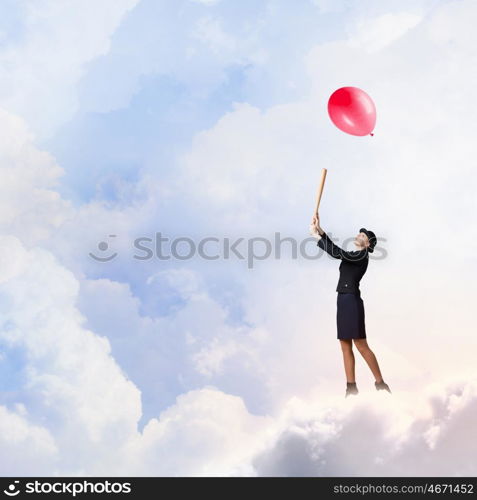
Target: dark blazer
{"points": [[353, 264]]}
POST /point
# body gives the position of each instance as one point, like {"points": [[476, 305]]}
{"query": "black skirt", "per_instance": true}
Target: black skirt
{"points": [[350, 316]]}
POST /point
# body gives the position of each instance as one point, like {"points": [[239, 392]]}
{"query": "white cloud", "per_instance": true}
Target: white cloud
{"points": [[210, 32], [206, 432], [194, 343], [30, 206], [391, 434], [70, 384], [26, 448], [376, 33], [40, 72]]}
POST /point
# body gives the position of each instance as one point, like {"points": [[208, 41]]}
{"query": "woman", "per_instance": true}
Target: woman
{"points": [[350, 306]]}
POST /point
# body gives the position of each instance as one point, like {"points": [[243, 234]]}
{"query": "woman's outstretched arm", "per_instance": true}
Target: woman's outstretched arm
{"points": [[329, 247]]}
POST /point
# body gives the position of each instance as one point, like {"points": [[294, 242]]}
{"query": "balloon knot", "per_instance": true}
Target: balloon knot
{"points": [[371, 134]]}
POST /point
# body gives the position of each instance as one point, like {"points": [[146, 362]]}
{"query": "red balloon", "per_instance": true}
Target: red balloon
{"points": [[352, 111]]}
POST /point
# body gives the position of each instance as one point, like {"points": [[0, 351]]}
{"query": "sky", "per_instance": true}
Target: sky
{"points": [[122, 121]]}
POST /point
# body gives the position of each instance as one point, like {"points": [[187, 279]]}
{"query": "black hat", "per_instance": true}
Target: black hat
{"points": [[371, 237]]}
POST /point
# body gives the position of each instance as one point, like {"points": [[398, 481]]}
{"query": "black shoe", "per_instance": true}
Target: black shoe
{"points": [[351, 389], [382, 386]]}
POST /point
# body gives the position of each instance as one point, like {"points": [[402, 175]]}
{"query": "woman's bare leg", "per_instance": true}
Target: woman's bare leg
{"points": [[348, 359], [369, 357]]}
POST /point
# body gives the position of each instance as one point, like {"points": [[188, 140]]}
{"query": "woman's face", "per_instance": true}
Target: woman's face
{"points": [[361, 240]]}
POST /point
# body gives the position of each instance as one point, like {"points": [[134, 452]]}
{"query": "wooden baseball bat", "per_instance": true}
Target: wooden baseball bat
{"points": [[320, 189]]}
